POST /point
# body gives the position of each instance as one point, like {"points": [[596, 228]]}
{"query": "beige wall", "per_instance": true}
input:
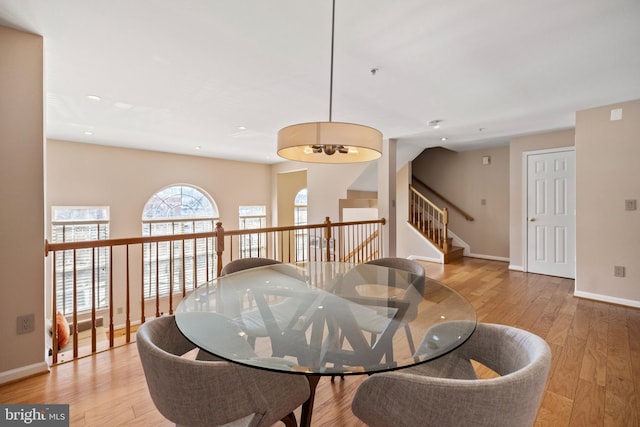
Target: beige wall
{"points": [[517, 148], [289, 185], [124, 180], [22, 193], [462, 178], [607, 154], [326, 185]]}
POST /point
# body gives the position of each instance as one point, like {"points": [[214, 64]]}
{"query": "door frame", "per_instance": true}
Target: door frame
{"points": [[525, 195]]}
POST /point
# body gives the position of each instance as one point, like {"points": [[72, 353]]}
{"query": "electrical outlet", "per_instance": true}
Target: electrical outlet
{"points": [[25, 324], [618, 271]]}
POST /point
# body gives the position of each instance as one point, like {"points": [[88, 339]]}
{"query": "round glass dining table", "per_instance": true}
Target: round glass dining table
{"points": [[325, 319]]}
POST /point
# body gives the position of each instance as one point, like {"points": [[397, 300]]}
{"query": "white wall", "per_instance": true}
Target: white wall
{"points": [[410, 243], [22, 193]]}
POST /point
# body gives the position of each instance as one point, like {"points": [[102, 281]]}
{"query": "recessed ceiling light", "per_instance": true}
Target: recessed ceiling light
{"points": [[242, 128], [94, 97], [88, 132], [123, 105], [198, 147], [444, 138], [435, 124]]}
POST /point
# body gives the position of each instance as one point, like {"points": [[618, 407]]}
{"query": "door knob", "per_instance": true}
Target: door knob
{"points": [[532, 219]]}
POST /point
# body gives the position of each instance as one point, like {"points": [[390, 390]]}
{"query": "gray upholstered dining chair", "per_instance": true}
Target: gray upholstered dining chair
{"points": [[206, 391], [253, 324], [376, 325], [240, 264], [446, 391]]}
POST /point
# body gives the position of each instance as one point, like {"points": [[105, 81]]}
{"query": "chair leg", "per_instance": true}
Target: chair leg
{"points": [[412, 347], [290, 420], [252, 341]]}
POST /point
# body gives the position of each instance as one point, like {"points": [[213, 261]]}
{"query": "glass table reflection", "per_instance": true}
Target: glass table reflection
{"points": [[319, 319]]}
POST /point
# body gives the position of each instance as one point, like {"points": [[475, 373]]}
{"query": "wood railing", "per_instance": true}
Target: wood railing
{"points": [[133, 272], [429, 219], [364, 251], [444, 199]]}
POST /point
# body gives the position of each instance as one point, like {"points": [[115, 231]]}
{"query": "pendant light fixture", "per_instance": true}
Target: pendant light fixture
{"points": [[330, 142]]}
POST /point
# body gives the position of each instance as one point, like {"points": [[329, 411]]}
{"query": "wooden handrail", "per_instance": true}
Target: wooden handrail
{"points": [[176, 237], [427, 201], [352, 255], [444, 199], [320, 242]]}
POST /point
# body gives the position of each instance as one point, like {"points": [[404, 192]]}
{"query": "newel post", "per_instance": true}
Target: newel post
{"points": [[327, 237], [445, 229], [219, 246]]}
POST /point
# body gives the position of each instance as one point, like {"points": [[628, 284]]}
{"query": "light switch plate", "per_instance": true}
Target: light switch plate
{"points": [[630, 205], [616, 114]]}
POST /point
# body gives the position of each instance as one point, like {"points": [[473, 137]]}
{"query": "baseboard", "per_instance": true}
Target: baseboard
{"points": [[426, 259], [457, 241], [439, 260], [516, 268], [24, 372], [489, 257], [133, 323], [607, 298], [470, 255]]}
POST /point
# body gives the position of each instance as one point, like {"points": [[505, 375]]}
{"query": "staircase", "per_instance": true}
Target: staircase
{"points": [[432, 222], [453, 253]]}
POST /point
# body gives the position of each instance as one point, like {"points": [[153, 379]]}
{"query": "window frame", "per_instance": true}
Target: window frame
{"points": [[75, 266], [160, 276], [254, 244]]}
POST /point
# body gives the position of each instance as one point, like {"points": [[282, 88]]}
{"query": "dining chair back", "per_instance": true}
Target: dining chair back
{"points": [[404, 264], [447, 392], [418, 286], [240, 264], [190, 391], [252, 321]]}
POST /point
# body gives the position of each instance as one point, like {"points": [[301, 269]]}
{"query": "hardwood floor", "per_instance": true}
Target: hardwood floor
{"points": [[594, 380]]}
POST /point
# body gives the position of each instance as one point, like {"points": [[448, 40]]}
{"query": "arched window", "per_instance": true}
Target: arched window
{"points": [[179, 201], [300, 218], [178, 209]]}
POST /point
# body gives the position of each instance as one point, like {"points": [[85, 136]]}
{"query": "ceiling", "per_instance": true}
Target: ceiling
{"points": [[219, 78]]}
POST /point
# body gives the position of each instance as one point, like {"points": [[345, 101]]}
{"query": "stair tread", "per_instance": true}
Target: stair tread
{"points": [[454, 253]]}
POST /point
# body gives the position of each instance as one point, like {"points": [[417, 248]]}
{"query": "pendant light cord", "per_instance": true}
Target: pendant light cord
{"points": [[333, 24]]}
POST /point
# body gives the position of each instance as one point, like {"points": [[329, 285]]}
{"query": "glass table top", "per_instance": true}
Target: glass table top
{"points": [[325, 318]]}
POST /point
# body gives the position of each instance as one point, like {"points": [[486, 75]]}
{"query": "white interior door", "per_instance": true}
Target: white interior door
{"points": [[551, 213]]}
